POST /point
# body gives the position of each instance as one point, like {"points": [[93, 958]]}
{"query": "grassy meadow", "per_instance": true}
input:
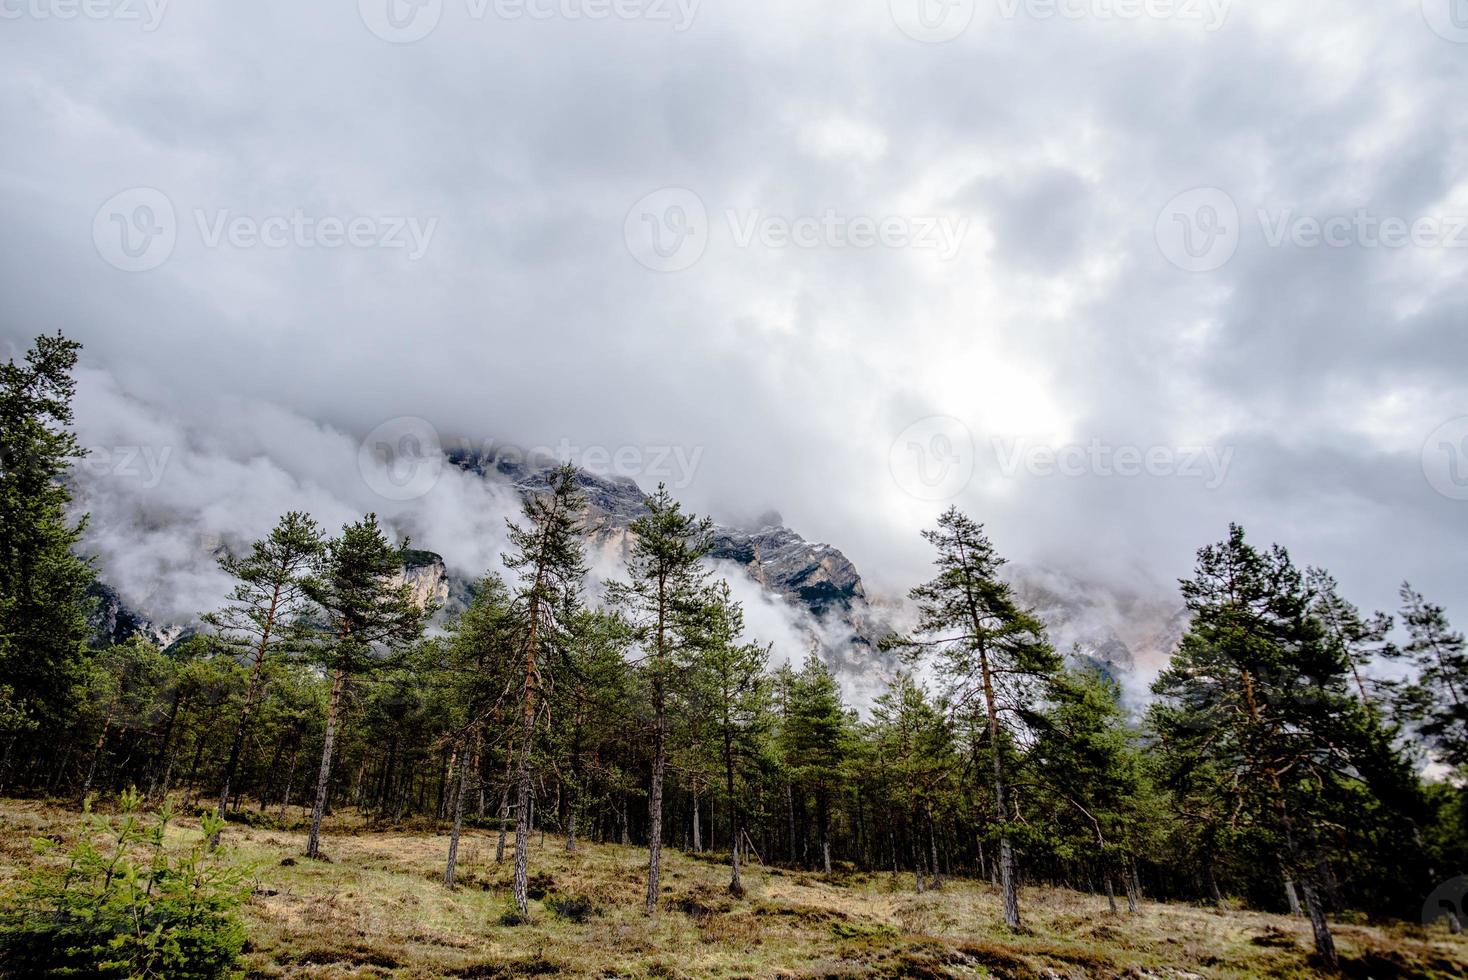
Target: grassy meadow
{"points": [[377, 908]]}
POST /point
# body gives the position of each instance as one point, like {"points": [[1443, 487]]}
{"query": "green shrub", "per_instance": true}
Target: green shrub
{"points": [[123, 907], [575, 908], [256, 820], [512, 917]]}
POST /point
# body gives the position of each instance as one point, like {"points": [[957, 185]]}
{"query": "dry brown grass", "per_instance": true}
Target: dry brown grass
{"points": [[377, 909]]}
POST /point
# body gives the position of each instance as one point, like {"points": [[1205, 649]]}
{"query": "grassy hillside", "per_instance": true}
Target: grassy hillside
{"points": [[378, 909]]}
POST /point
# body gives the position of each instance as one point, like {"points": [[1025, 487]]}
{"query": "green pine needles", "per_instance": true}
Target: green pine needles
{"points": [[125, 902]]}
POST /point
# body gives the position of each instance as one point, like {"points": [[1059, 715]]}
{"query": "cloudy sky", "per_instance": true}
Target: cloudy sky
{"points": [[1108, 274]]}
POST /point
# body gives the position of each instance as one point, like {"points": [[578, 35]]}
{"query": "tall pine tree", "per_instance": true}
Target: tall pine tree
{"points": [[265, 614], [1268, 696], [369, 613], [546, 554], [665, 599], [43, 606], [988, 651]]}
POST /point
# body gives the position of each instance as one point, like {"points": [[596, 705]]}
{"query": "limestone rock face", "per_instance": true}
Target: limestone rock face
{"points": [[815, 575], [425, 573], [114, 621], [815, 578]]}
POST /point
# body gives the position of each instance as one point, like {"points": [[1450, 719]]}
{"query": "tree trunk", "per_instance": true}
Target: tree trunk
{"points": [[790, 809], [458, 808], [915, 845], [933, 851], [697, 830], [97, 751], [573, 789], [1292, 895], [252, 692], [655, 799], [504, 811], [1324, 942], [290, 780], [522, 814], [823, 807], [1110, 892], [163, 761], [1213, 890], [736, 887], [323, 779]]}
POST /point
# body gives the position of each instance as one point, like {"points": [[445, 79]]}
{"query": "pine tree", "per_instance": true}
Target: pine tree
{"points": [[665, 599], [735, 698], [43, 605], [1360, 641], [265, 613], [368, 612], [476, 664], [1268, 695], [916, 750], [547, 556], [987, 651], [120, 691], [1088, 769], [816, 739], [1438, 696], [592, 698]]}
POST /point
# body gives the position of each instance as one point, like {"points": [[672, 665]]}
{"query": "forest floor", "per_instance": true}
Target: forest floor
{"points": [[377, 908]]}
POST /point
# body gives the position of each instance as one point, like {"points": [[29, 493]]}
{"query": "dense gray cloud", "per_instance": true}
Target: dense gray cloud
{"points": [[514, 149]]}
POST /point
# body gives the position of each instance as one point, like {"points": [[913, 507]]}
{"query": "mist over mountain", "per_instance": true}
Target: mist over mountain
{"points": [[168, 496]]}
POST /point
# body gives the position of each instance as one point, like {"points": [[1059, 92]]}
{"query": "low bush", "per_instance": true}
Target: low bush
{"points": [[119, 905], [575, 908]]}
